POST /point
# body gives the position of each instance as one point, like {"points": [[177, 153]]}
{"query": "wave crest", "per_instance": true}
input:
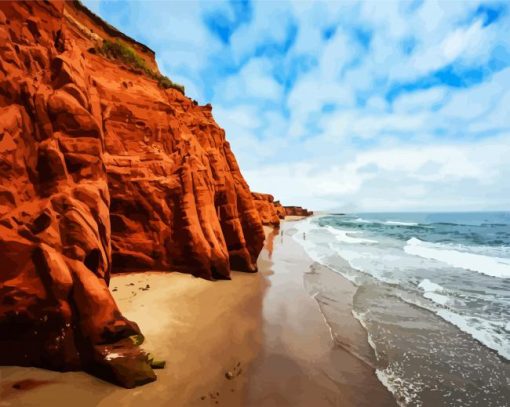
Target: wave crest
{"points": [[344, 236], [490, 266]]}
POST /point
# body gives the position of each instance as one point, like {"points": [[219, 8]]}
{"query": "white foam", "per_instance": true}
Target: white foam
{"points": [[428, 286], [387, 222], [344, 236], [392, 222], [489, 333], [491, 266], [432, 291], [437, 298], [405, 392], [480, 329], [361, 220], [311, 248]]}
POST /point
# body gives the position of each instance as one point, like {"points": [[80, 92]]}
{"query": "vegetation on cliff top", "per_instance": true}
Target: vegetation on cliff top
{"points": [[119, 51]]}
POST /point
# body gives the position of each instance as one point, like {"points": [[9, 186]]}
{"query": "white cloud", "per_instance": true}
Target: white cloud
{"points": [[439, 175], [324, 134], [480, 100], [253, 81], [461, 40], [420, 100], [262, 29], [342, 126], [239, 116]]}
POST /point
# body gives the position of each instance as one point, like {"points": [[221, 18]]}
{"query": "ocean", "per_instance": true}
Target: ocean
{"points": [[433, 294]]}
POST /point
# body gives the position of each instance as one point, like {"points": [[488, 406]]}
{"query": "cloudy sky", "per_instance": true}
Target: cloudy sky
{"points": [[353, 106]]}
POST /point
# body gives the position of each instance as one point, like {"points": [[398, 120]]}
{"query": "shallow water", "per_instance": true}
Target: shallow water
{"points": [[433, 295]]}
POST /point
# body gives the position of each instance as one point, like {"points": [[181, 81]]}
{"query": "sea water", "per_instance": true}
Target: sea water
{"points": [[433, 293]]}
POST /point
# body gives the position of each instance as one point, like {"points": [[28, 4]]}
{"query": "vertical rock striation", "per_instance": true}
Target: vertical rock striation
{"points": [[101, 170], [296, 211], [270, 211]]}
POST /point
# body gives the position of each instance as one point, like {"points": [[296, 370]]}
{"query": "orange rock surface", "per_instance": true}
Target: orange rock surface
{"points": [[270, 211], [101, 170], [297, 211]]}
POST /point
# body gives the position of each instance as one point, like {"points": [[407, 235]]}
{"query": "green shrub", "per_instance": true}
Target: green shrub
{"points": [[120, 51], [165, 83]]}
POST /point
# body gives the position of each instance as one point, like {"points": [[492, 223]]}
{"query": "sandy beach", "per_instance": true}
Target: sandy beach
{"points": [[202, 329], [256, 340], [299, 363]]}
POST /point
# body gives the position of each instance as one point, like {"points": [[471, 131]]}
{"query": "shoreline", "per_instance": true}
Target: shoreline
{"points": [[410, 312], [257, 340], [301, 363]]}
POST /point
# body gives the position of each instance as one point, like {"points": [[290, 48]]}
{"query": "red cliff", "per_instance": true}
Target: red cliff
{"points": [[297, 211], [270, 211], [105, 166]]}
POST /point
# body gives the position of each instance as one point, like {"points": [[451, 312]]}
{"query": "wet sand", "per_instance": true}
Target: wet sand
{"points": [[257, 340], [300, 364]]}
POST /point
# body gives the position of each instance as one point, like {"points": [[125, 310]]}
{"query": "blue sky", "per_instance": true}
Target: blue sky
{"points": [[354, 106]]}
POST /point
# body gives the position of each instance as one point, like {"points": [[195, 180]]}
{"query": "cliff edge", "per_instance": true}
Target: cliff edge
{"points": [[271, 211], [105, 166]]}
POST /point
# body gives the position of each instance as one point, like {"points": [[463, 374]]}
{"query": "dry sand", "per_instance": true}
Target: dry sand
{"points": [[202, 329], [264, 331]]}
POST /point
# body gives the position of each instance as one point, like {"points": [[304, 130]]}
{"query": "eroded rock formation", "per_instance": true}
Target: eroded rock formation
{"points": [[297, 211], [101, 170], [270, 211]]}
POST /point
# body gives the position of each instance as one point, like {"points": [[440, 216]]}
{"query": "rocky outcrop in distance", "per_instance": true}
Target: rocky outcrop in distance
{"points": [[271, 211], [297, 211], [105, 166]]}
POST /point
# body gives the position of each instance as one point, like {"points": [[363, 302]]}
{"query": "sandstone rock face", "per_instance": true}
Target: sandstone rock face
{"points": [[280, 210], [178, 200], [270, 211], [101, 170], [297, 211]]}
